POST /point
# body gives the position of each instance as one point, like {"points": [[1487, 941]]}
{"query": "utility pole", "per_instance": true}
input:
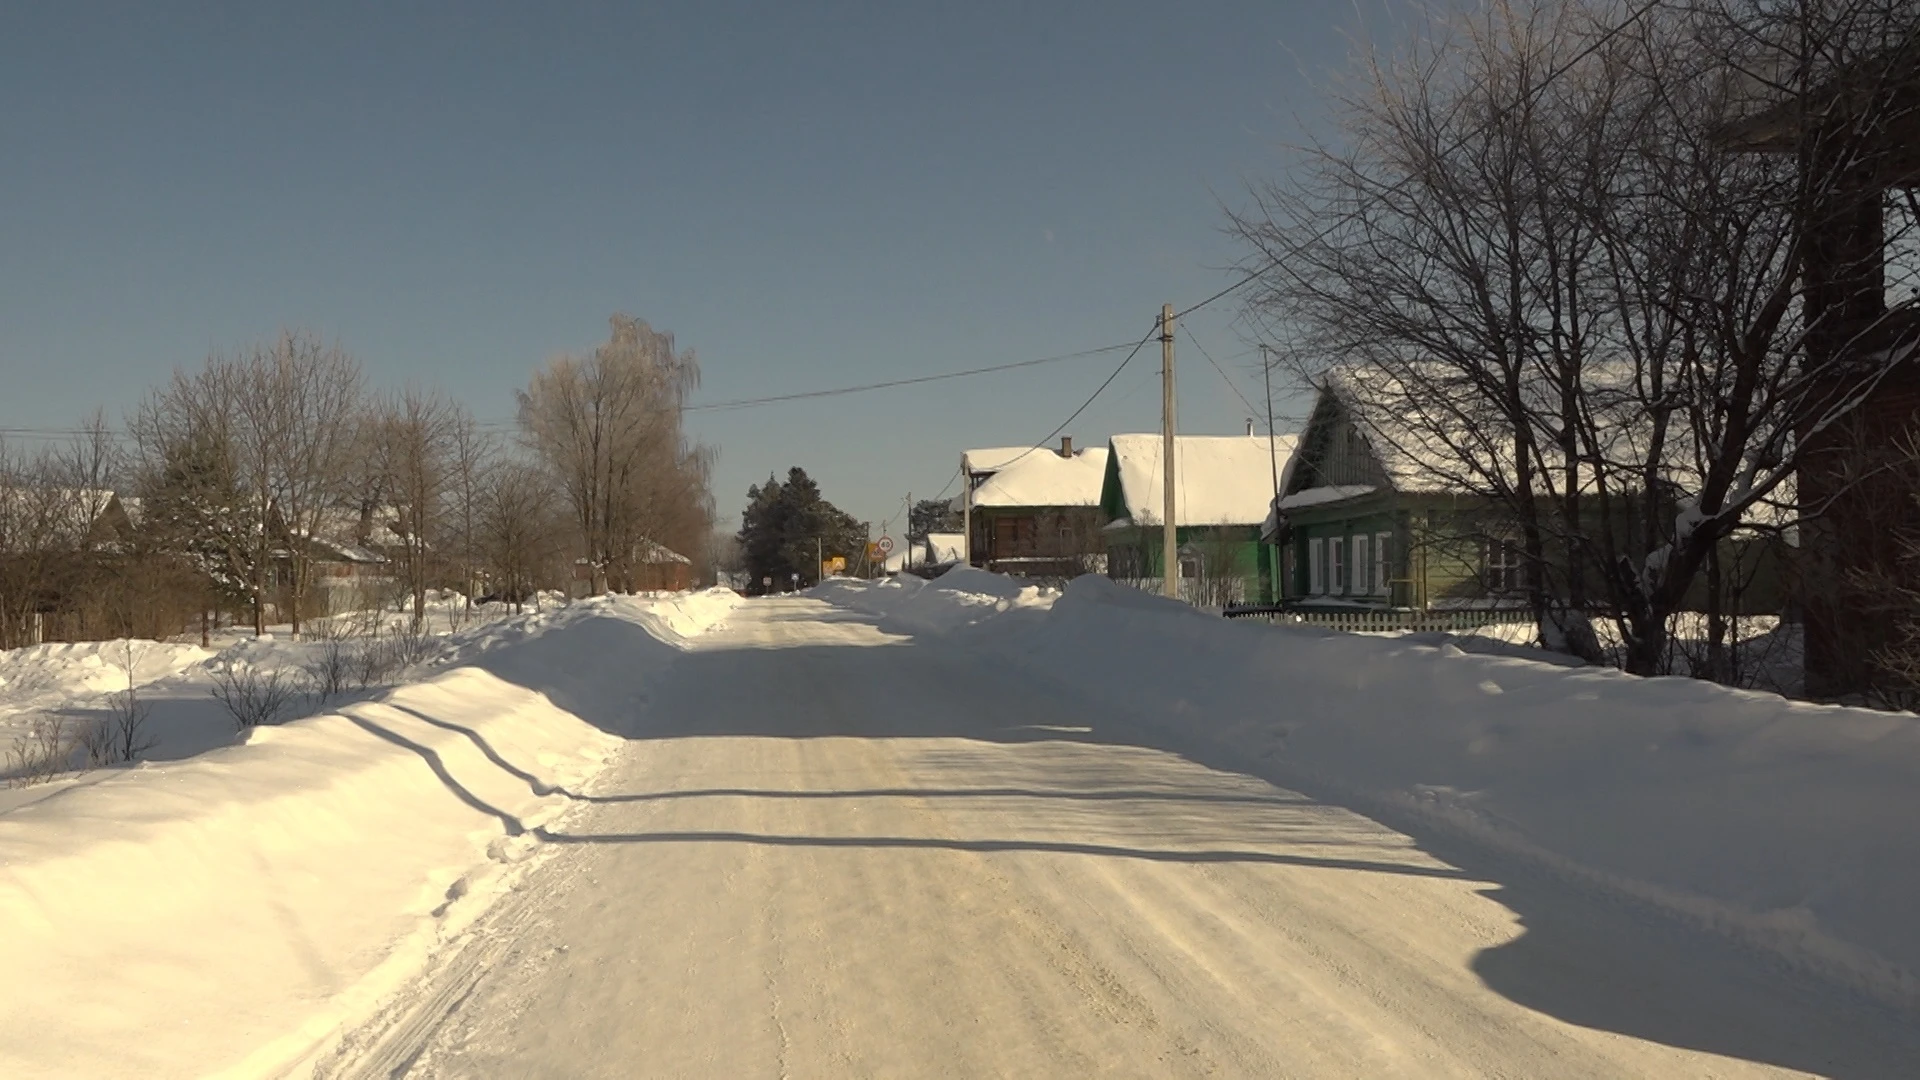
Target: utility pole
{"points": [[1273, 458], [1169, 538], [966, 514]]}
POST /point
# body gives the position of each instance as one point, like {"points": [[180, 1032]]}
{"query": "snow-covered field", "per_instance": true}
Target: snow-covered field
{"points": [[1788, 826], [226, 909]]}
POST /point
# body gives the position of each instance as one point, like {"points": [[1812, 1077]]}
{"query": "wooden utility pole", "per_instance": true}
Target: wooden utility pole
{"points": [[1169, 539], [1273, 458], [966, 514]]}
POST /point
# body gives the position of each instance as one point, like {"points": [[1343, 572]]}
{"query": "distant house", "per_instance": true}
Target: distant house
{"points": [[1037, 514], [651, 567], [350, 558], [53, 542], [1374, 514], [1223, 489], [940, 549], [1368, 519]]}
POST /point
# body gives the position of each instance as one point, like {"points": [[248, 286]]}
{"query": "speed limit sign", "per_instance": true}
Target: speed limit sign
{"points": [[885, 545]]}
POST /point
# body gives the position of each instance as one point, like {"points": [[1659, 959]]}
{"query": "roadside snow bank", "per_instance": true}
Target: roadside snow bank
{"points": [[227, 914], [40, 673], [1788, 825], [960, 597]]}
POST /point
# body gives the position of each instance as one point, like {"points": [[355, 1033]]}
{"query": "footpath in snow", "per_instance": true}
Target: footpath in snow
{"points": [[229, 912], [1787, 826]]}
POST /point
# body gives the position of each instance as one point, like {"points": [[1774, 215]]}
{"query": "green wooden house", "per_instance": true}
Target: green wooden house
{"points": [[1376, 515], [1223, 488], [1368, 520]]}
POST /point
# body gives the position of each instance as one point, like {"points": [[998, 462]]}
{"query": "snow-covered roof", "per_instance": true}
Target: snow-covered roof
{"points": [[945, 547], [1417, 451], [63, 515], [1313, 496], [1219, 479], [335, 551], [1045, 478], [1331, 493], [650, 552], [993, 458]]}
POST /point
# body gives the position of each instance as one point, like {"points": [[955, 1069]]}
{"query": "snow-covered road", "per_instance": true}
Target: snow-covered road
{"points": [[832, 851]]}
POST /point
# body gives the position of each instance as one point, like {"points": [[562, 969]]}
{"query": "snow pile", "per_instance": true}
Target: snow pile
{"points": [[963, 596], [230, 912], [42, 674], [689, 614], [1785, 824]]}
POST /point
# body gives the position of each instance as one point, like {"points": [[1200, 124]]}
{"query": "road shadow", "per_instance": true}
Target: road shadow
{"points": [[1585, 957], [926, 843]]}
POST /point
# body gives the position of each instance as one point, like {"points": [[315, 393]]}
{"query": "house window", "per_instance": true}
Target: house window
{"points": [[1316, 566], [1382, 565], [1190, 567], [1336, 565], [1503, 566], [1362, 559]]}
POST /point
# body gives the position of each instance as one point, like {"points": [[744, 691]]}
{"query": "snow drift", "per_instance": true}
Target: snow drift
{"points": [[958, 598], [1787, 825], [227, 914]]}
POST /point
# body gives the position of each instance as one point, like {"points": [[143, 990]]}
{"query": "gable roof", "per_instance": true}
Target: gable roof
{"points": [[1412, 454], [1045, 478], [1218, 479]]}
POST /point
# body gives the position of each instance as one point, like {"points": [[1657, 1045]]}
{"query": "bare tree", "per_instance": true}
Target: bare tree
{"points": [[1537, 265], [472, 455], [304, 398], [608, 426], [415, 444], [517, 522]]}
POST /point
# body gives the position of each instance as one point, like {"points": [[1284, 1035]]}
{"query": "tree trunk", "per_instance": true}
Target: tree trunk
{"points": [[1718, 669]]}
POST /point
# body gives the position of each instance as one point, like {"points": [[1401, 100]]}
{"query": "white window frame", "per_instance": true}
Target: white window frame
{"points": [[1504, 568], [1382, 564], [1317, 566], [1336, 566], [1362, 562]]}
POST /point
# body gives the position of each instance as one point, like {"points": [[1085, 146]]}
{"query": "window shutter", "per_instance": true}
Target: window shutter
{"points": [[1362, 560], [1316, 566], [1382, 565]]}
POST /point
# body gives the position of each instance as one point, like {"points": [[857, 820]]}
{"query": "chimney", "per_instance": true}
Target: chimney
{"points": [[1066, 446], [1249, 427]]}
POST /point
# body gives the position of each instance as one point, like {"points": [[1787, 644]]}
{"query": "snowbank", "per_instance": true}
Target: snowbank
{"points": [[227, 914], [960, 597], [1787, 825]]}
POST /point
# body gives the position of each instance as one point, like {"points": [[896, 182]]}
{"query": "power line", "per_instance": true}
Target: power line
{"points": [[1217, 369], [1048, 438], [948, 484], [747, 403]]}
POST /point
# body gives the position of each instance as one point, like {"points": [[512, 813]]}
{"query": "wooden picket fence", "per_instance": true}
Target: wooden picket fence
{"points": [[1382, 621]]}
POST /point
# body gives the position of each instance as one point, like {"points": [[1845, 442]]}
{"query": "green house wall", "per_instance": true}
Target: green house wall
{"points": [[1433, 549], [1231, 551]]}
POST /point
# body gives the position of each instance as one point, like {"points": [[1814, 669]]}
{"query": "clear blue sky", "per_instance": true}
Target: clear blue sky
{"points": [[810, 195]]}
